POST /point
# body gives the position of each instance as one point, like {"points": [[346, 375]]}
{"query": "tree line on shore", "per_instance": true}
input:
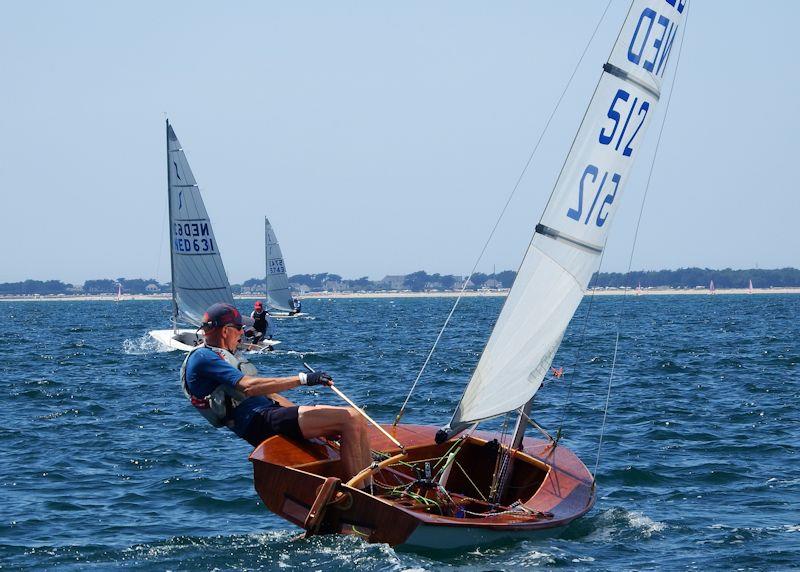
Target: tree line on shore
{"points": [[421, 281]]}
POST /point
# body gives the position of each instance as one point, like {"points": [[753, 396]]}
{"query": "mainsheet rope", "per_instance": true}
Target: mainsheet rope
{"points": [[633, 246], [502, 213]]}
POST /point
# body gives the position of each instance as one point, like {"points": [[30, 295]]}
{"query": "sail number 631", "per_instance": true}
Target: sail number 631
{"points": [[588, 180]]}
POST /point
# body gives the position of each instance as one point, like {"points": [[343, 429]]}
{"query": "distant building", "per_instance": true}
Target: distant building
{"points": [[393, 282], [334, 286], [492, 284], [152, 288]]}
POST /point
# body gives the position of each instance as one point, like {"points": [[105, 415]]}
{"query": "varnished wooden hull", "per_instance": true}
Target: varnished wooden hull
{"points": [[552, 485]]}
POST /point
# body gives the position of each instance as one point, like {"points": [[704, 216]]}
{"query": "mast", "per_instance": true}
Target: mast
{"points": [[266, 260], [503, 475], [171, 254]]}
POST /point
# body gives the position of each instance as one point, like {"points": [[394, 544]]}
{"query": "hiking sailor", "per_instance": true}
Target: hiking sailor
{"points": [[226, 389], [295, 306], [260, 322]]}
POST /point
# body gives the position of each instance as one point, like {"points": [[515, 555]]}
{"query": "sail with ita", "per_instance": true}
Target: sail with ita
{"points": [[279, 297]]}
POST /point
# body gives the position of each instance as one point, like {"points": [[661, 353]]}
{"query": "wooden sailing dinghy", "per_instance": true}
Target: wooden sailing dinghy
{"points": [[454, 488], [549, 487]]}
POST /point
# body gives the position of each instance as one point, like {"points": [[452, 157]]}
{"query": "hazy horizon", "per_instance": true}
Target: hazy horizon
{"points": [[376, 279]]}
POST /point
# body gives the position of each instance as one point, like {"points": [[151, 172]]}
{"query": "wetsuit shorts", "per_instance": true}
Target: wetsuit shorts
{"points": [[273, 421]]}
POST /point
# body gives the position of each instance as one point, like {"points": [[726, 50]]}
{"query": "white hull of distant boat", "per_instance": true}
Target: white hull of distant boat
{"points": [[181, 340], [185, 340], [284, 315]]}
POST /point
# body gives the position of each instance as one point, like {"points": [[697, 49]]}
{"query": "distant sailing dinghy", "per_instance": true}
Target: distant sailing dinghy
{"points": [[457, 487], [198, 276], [280, 302]]}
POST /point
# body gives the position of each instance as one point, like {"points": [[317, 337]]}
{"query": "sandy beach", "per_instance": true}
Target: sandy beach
{"points": [[484, 293], [354, 295]]}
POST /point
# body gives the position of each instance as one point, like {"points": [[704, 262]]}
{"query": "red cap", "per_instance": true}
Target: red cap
{"points": [[219, 315]]}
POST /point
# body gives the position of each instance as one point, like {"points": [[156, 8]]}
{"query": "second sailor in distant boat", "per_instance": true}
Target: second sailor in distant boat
{"points": [[296, 306], [226, 389], [260, 322]]}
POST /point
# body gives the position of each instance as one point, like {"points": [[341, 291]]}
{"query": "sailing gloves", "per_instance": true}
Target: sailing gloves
{"points": [[316, 378]]}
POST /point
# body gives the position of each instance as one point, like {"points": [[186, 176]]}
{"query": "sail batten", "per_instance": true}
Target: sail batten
{"points": [[568, 242], [198, 275], [623, 75], [556, 235]]}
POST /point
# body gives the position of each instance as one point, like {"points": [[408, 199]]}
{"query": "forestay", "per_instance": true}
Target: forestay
{"points": [[198, 276], [278, 295], [569, 240]]}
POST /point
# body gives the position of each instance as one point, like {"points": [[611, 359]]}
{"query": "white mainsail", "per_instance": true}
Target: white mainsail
{"points": [[198, 276], [568, 242], [279, 297]]}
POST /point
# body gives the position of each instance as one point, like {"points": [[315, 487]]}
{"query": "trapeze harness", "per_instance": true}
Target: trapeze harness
{"points": [[217, 407]]}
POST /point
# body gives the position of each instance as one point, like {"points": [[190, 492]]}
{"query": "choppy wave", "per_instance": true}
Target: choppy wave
{"points": [[144, 344]]}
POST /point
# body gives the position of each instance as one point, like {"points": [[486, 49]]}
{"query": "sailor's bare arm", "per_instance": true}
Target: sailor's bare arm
{"points": [[252, 386]]}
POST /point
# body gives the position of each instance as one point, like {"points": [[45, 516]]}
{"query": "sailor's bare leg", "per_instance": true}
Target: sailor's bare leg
{"points": [[324, 420]]}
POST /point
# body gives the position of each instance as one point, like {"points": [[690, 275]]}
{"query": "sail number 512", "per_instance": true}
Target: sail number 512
{"points": [[585, 188], [621, 133]]}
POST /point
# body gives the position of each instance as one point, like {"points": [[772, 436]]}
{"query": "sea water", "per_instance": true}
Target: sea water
{"points": [[103, 463]]}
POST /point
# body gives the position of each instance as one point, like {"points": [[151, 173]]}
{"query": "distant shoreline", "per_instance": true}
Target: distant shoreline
{"points": [[357, 295]]}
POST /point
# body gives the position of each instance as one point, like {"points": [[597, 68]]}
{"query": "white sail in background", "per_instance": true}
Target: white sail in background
{"points": [[198, 276], [567, 245], [278, 295]]}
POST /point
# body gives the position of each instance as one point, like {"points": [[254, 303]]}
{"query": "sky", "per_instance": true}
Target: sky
{"points": [[379, 138]]}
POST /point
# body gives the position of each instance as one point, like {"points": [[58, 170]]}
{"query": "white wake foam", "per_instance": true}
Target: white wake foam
{"points": [[145, 344]]}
